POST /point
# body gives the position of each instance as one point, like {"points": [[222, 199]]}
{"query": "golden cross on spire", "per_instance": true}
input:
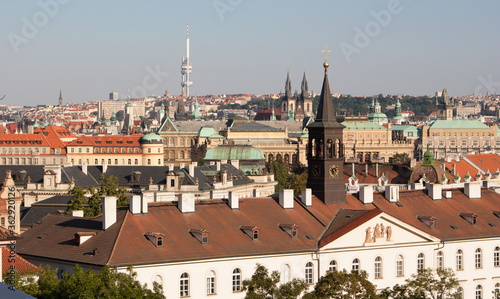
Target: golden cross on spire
{"points": [[325, 64], [326, 52]]}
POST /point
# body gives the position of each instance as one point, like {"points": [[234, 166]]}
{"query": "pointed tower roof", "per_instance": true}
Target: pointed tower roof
{"points": [[60, 94], [288, 86], [326, 114], [304, 86]]}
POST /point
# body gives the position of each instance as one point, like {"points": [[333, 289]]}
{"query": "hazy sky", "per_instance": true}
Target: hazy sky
{"points": [[90, 48]]}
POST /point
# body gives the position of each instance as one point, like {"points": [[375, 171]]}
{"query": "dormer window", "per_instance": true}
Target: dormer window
{"points": [[470, 217], [200, 234], [291, 229], [156, 238], [81, 237], [251, 231], [430, 221]]}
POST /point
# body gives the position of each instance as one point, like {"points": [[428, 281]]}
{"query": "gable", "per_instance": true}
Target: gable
{"points": [[365, 231], [167, 126]]}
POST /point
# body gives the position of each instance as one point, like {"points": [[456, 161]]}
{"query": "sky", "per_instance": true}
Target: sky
{"points": [[90, 48]]}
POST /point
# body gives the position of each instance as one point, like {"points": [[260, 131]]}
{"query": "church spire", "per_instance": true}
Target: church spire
{"points": [[288, 86], [326, 112], [304, 86], [60, 98]]}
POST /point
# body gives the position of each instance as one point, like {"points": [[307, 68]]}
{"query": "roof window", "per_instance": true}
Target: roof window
{"points": [[291, 229], [156, 238], [470, 217], [430, 221], [251, 231], [200, 235]]}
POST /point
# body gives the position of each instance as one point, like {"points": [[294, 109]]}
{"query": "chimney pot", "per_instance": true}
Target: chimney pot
{"points": [[108, 211], [472, 190], [435, 191], [186, 202], [307, 197], [234, 201], [392, 193], [286, 198], [366, 194], [135, 204]]}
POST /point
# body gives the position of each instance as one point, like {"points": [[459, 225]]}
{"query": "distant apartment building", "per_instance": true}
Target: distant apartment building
{"points": [[31, 149], [113, 96], [470, 108], [107, 108]]}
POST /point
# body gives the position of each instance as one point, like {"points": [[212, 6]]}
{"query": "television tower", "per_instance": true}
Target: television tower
{"points": [[186, 67]]}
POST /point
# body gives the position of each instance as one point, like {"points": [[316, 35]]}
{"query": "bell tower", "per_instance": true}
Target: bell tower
{"points": [[325, 151]]}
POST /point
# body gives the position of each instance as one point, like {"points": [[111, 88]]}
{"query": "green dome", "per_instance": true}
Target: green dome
{"points": [[428, 157], [152, 137], [234, 152]]}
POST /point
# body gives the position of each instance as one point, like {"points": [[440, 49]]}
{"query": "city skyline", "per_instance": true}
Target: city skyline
{"points": [[90, 49]]}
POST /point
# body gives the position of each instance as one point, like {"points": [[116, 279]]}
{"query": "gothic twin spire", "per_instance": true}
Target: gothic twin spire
{"points": [[288, 87]]}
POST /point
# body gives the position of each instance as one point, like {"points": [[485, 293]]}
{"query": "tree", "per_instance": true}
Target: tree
{"points": [[107, 283], [281, 174], [345, 285], [261, 285], [426, 284], [401, 158], [92, 205]]}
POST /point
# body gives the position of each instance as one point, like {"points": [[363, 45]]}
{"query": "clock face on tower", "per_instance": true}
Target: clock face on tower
{"points": [[333, 171]]}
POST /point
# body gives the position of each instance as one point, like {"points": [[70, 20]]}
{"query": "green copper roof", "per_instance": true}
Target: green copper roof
{"points": [[152, 136], [234, 152], [207, 132], [377, 116], [362, 125], [458, 124]]}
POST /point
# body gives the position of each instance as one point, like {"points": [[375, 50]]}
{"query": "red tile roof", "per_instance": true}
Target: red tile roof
{"points": [[462, 168], [22, 266], [107, 141], [486, 162]]}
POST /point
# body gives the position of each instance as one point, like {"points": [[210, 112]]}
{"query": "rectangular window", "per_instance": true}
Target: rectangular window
{"points": [[441, 143], [452, 143], [210, 285], [136, 162], [464, 143], [474, 143]]}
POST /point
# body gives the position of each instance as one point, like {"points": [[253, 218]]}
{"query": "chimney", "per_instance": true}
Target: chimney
{"points": [[108, 211], [234, 201], [256, 193], [447, 194], [366, 194], [472, 190], [434, 191], [218, 165], [235, 163], [135, 204], [286, 198], [84, 168], [170, 167], [191, 170], [392, 193], [104, 166], [307, 197], [182, 165], [77, 213], [144, 204], [186, 202]]}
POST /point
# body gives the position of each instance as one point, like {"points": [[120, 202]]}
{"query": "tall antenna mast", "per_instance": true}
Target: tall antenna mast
{"points": [[186, 67]]}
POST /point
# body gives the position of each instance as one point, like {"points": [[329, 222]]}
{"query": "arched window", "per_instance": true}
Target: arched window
{"points": [[440, 260], [378, 267], [237, 280], [184, 285], [181, 155], [479, 292], [285, 273], [459, 260], [420, 262], [158, 279], [211, 283], [309, 273], [496, 257], [400, 270], [478, 258], [355, 265], [333, 265], [496, 291], [460, 292]]}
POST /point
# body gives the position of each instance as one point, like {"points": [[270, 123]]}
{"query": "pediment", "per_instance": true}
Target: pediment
{"points": [[357, 229]]}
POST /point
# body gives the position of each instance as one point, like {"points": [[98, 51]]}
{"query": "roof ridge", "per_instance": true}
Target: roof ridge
{"points": [[117, 237]]}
